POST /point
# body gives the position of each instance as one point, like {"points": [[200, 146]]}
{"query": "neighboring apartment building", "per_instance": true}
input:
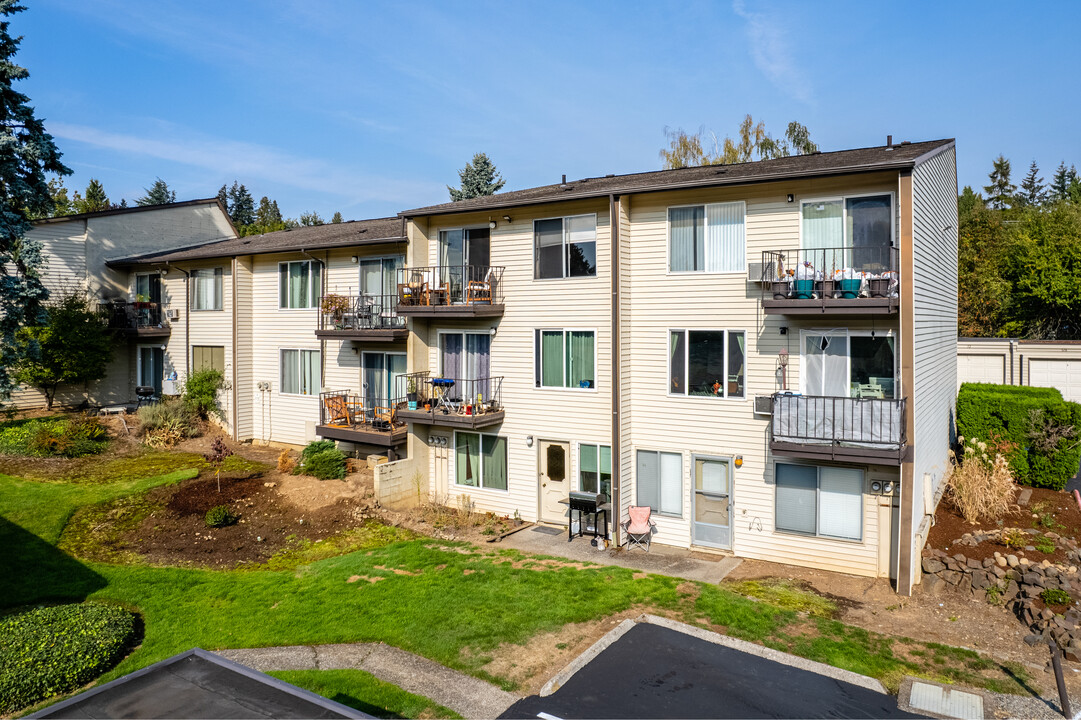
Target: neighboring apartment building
{"points": [[259, 312], [76, 250], [661, 337]]}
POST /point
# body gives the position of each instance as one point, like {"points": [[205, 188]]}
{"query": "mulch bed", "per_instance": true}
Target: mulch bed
{"points": [[950, 527], [177, 534]]}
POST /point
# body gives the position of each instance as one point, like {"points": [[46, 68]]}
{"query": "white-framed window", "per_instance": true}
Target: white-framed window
{"points": [[707, 238], [208, 357], [846, 363], [849, 231], [565, 358], [299, 284], [206, 288], [707, 363], [595, 468], [659, 482], [148, 287], [565, 247], [819, 500], [379, 275], [300, 372], [480, 460]]}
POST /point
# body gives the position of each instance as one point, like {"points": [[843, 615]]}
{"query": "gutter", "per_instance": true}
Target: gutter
{"points": [[617, 456], [236, 406], [187, 317]]}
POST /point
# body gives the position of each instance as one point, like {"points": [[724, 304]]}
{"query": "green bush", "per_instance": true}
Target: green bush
{"points": [[316, 446], [1055, 596], [54, 437], [201, 391], [219, 516], [321, 459], [1044, 544], [53, 650], [168, 414], [1040, 426]]}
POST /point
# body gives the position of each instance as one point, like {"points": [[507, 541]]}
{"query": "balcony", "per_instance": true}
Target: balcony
{"points": [[360, 317], [452, 402], [354, 418], [830, 281], [466, 291], [865, 430], [137, 319]]}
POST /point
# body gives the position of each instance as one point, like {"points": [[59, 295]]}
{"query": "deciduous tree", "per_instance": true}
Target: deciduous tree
{"points": [[157, 194], [27, 154], [309, 219], [478, 178], [752, 142]]}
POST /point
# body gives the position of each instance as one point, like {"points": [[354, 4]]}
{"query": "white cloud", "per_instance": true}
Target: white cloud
{"points": [[768, 39], [230, 158]]}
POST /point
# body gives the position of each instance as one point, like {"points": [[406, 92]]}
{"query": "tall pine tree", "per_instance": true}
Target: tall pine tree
{"points": [[1033, 192], [95, 199], [27, 153], [157, 194], [1059, 188], [337, 217], [478, 178], [1001, 192], [241, 205], [223, 198]]}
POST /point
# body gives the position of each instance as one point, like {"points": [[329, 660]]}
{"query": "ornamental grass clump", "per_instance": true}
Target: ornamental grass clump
{"points": [[981, 485], [52, 650]]}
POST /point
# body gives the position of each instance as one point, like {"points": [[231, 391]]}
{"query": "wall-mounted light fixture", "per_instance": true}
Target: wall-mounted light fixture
{"points": [[739, 461], [791, 197], [492, 331], [353, 259], [529, 441], [507, 218], [163, 272], [491, 224]]}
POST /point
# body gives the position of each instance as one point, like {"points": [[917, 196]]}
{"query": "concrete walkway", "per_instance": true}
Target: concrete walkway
{"points": [[661, 559], [464, 694]]}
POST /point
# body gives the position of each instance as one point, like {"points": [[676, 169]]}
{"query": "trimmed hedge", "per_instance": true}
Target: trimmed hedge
{"points": [[985, 410], [48, 651]]}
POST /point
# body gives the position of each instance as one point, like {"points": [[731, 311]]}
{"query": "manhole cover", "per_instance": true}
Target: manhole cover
{"points": [[548, 530], [951, 703]]}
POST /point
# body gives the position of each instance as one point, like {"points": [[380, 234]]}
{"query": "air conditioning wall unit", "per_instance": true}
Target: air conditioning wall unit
{"points": [[172, 314], [755, 272], [763, 404]]}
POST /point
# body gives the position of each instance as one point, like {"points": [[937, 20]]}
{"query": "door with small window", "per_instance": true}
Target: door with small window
{"points": [[712, 502], [554, 458]]}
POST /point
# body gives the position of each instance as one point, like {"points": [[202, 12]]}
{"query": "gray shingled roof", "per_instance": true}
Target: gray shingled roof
{"points": [[315, 237], [128, 210], [905, 155]]}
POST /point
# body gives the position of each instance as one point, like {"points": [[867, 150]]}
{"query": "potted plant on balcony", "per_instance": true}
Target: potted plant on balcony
{"points": [[335, 306], [411, 393], [142, 302]]}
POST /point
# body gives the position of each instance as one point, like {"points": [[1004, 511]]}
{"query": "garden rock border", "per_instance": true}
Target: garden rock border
{"points": [[1016, 581]]}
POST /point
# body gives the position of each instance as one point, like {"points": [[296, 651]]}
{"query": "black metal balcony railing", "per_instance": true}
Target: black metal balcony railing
{"points": [[858, 422], [826, 273], [359, 312], [460, 396], [342, 409], [135, 315], [438, 285]]}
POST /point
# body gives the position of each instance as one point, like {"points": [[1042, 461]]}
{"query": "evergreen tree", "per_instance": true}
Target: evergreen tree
{"points": [[223, 198], [337, 218], [1033, 191], [1001, 192], [1059, 188], [268, 215], [27, 153], [157, 194], [478, 178], [969, 201], [241, 205], [95, 199]]}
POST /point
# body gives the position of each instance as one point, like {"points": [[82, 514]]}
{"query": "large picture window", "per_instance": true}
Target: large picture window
{"points": [[206, 289], [822, 501], [707, 238], [565, 247], [300, 372], [595, 469], [480, 460], [707, 363], [836, 364], [299, 284], [565, 358], [660, 482]]}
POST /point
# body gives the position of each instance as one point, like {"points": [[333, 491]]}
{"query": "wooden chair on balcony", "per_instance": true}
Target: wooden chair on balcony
{"points": [[338, 411], [480, 291], [384, 417]]}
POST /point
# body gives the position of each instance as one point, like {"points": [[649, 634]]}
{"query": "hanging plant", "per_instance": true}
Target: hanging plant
{"points": [[335, 305]]}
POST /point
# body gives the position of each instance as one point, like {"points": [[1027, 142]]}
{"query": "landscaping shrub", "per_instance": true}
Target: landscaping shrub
{"points": [[53, 650], [1041, 426], [54, 437], [219, 516], [286, 463], [168, 422], [201, 392], [981, 486], [1044, 544], [316, 446], [322, 459], [1056, 596]]}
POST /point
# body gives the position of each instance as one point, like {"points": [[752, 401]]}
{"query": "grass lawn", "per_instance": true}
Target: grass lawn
{"points": [[451, 602], [365, 692]]}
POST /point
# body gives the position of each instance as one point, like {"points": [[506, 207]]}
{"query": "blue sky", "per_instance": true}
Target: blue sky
{"points": [[371, 108]]}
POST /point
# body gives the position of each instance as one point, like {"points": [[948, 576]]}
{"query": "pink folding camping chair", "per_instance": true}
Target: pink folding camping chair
{"points": [[639, 527]]}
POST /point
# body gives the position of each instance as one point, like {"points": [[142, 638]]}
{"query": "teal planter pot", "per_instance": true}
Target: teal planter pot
{"points": [[804, 288], [850, 288]]}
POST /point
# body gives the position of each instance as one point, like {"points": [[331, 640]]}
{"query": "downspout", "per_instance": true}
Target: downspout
{"points": [[236, 406], [617, 456], [187, 318], [1013, 343]]}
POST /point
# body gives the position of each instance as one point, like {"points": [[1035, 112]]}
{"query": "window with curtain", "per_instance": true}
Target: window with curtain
{"points": [[299, 284], [824, 364], [840, 365], [206, 289], [659, 482], [300, 372], [565, 358], [707, 363], [707, 238], [821, 501], [466, 357], [595, 469], [480, 460], [208, 357], [848, 232], [565, 247], [379, 276]]}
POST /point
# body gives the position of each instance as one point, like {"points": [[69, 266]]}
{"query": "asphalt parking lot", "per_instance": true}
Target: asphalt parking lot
{"points": [[656, 672]]}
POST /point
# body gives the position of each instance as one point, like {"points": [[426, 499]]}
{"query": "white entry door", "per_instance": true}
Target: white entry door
{"points": [[553, 479], [713, 502]]}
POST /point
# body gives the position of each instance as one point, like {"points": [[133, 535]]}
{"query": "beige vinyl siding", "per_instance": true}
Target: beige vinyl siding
{"points": [[658, 301], [245, 383], [63, 249], [934, 387], [555, 414]]}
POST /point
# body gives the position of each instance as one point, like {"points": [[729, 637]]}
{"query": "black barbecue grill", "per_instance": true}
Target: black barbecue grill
{"points": [[588, 504]]}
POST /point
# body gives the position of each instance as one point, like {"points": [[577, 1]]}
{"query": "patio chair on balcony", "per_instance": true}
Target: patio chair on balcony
{"points": [[338, 410], [480, 291], [383, 418], [639, 527]]}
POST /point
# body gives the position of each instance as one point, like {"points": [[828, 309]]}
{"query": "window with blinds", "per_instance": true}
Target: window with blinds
{"points": [[207, 357], [659, 481], [707, 238], [301, 373], [821, 501], [206, 289]]}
